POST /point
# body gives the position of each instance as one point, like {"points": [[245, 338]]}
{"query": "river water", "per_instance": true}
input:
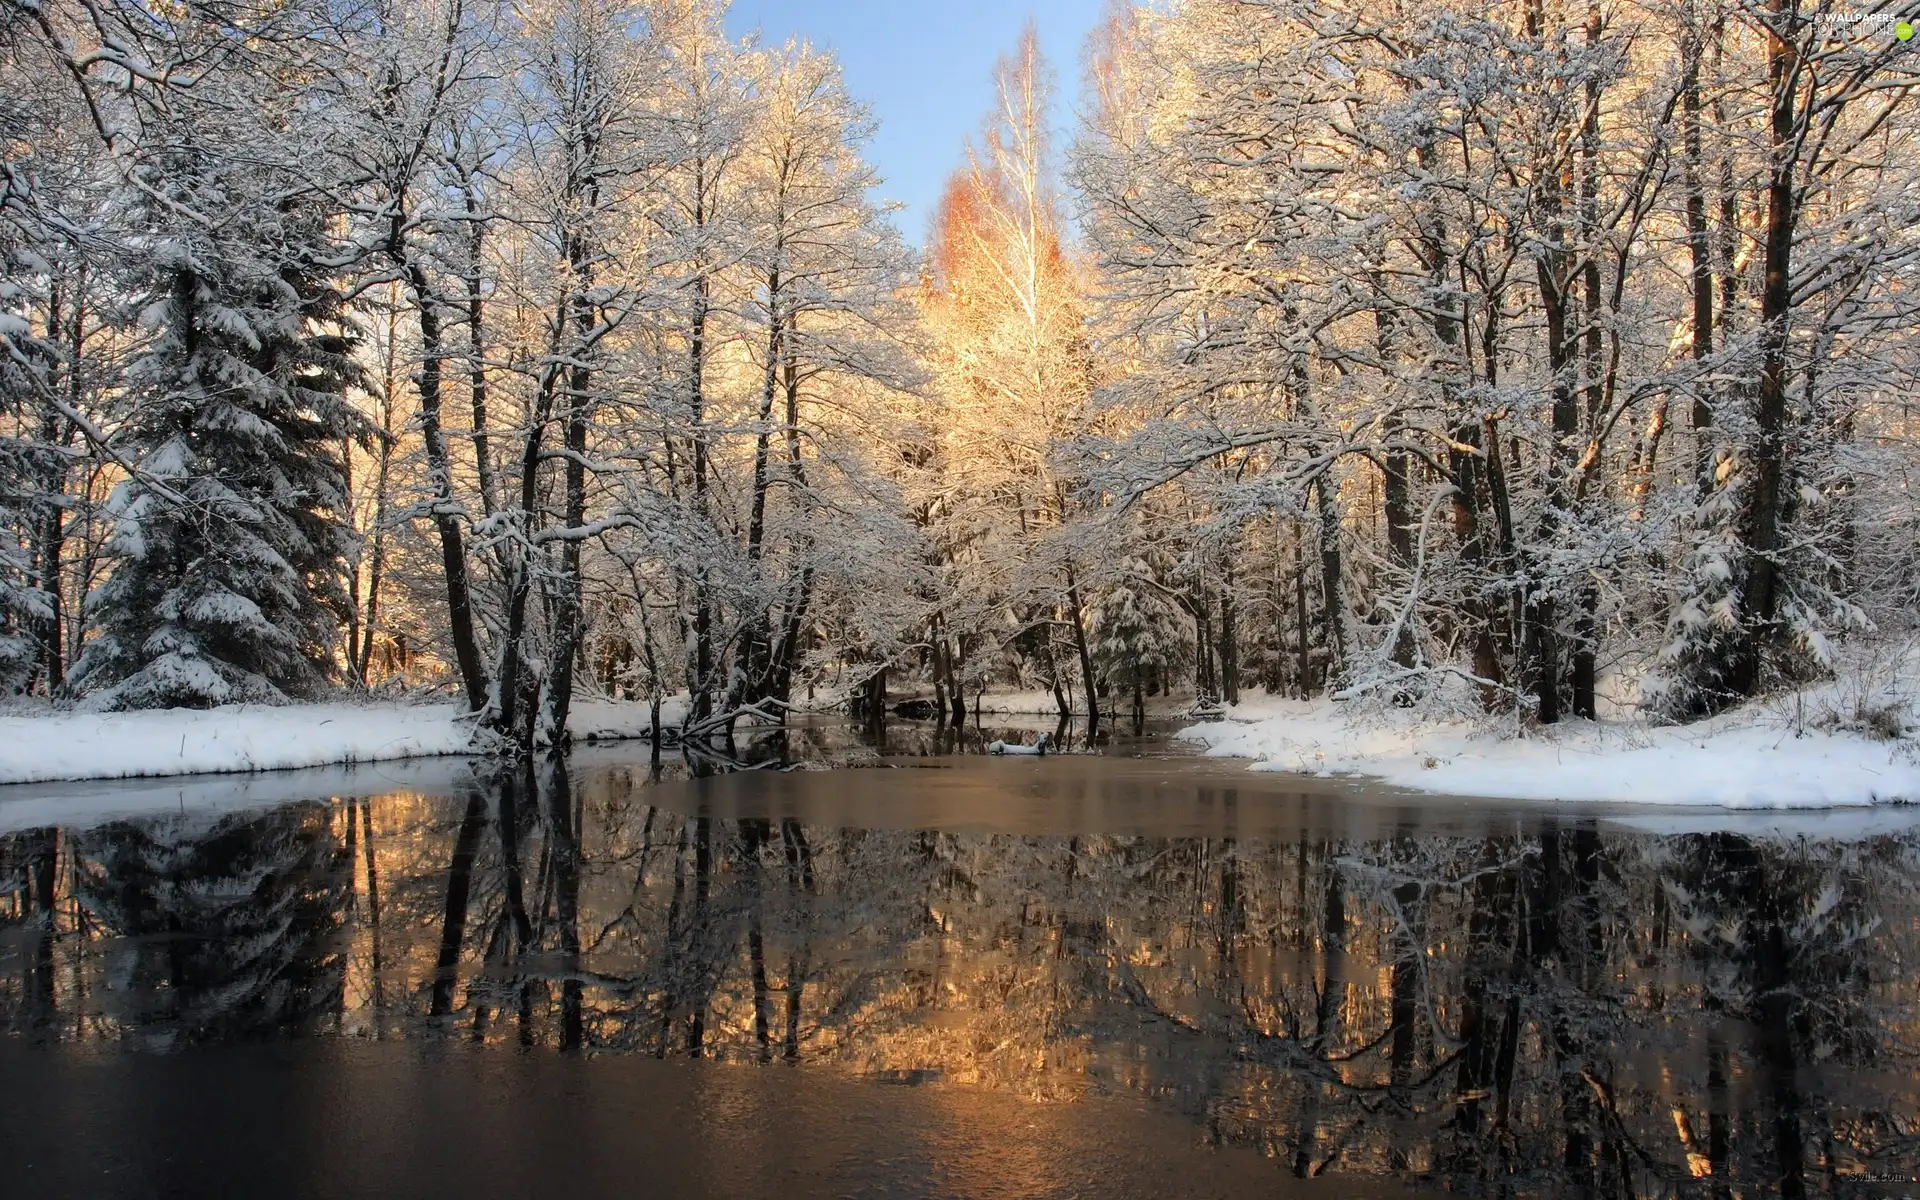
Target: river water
{"points": [[898, 968]]}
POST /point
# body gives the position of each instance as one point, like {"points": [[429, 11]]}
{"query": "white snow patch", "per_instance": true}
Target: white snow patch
{"points": [[239, 737], [249, 737], [1752, 759], [612, 720]]}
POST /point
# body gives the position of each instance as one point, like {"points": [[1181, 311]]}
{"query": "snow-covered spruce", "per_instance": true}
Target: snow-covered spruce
{"points": [[229, 544], [230, 548]]}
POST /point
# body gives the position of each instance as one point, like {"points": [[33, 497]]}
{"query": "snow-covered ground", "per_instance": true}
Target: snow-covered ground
{"points": [[1770, 756], [1765, 756], [76, 745], [612, 720]]}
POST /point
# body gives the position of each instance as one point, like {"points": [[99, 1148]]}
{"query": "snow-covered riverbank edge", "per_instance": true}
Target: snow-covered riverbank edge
{"points": [[51, 746], [1757, 758]]}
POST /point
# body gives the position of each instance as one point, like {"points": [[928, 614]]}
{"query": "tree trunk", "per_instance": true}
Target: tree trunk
{"points": [[519, 693], [759, 649], [1274, 658], [936, 657], [584, 316], [48, 534], [1540, 648], [700, 668], [1583, 669], [476, 346], [1397, 500], [1086, 655], [1465, 471], [377, 557], [1583, 673], [1229, 641], [1060, 702], [1498, 494], [570, 623], [1540, 651], [876, 713], [1728, 234], [789, 649], [382, 486], [1203, 680], [802, 598], [51, 632], [1699, 252], [1333, 588], [957, 693], [453, 552], [1766, 459], [1304, 660]]}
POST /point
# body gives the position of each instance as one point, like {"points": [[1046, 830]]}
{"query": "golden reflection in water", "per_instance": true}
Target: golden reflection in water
{"points": [[1469, 1008]]}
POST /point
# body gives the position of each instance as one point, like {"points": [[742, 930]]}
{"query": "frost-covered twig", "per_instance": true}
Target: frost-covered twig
{"points": [[1400, 619]]}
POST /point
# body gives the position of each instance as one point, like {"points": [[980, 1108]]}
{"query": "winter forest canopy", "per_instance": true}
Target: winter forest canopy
{"points": [[1523, 357]]}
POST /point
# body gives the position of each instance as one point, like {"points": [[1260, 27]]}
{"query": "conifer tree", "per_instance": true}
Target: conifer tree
{"points": [[233, 595], [230, 536], [1140, 634]]}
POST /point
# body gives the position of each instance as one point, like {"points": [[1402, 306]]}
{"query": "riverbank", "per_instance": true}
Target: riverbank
{"points": [[48, 746], [1040, 703], [1808, 751]]}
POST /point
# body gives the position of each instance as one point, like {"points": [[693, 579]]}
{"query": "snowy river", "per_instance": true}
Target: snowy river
{"points": [[897, 970]]}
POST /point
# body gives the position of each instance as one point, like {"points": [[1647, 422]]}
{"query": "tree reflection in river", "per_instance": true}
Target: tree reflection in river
{"points": [[1547, 1006]]}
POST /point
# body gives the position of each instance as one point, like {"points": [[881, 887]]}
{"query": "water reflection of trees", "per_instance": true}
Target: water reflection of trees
{"points": [[1551, 1007]]}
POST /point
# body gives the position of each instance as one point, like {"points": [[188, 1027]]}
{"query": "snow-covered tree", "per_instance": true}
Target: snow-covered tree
{"points": [[1012, 372], [1140, 633], [1444, 275], [231, 544], [59, 356], [230, 580]]}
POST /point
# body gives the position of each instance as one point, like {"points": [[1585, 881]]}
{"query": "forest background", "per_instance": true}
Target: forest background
{"points": [[1523, 359]]}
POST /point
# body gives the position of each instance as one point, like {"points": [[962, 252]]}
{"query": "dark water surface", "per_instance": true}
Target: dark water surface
{"points": [[943, 975]]}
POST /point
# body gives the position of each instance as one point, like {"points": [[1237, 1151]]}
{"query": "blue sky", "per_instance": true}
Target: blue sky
{"points": [[925, 68]]}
